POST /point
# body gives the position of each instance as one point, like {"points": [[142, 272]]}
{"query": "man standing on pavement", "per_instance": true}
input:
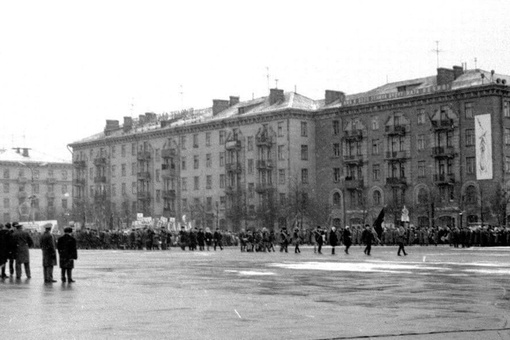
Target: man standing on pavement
{"points": [[23, 242], [49, 254], [367, 237], [5, 247], [333, 240], [401, 236], [67, 252], [217, 239], [347, 239], [11, 252], [319, 238]]}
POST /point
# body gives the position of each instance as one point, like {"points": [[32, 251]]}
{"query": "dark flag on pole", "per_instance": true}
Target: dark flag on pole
{"points": [[378, 223]]}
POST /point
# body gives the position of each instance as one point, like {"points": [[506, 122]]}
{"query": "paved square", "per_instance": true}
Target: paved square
{"points": [[434, 293]]}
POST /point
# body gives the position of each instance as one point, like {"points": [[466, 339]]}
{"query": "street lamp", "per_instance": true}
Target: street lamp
{"points": [[460, 220]]}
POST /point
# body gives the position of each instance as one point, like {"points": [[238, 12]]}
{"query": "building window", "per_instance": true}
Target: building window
{"points": [[376, 197], [471, 194], [208, 182], [421, 168], [250, 143], [64, 189], [183, 163], [468, 110], [506, 109], [250, 166], [336, 150], [336, 175], [114, 170], [185, 204], [196, 183], [158, 196], [304, 129], [421, 116], [336, 127], [507, 164], [123, 150], [208, 160], [64, 175], [304, 176], [376, 172], [222, 158], [281, 176], [158, 172], [280, 129], [507, 136], [133, 149], [123, 170], [195, 140], [133, 188], [114, 190], [375, 123], [184, 184], [195, 162], [304, 152], [282, 199], [35, 188], [133, 169], [6, 188], [251, 190], [113, 151], [375, 147], [280, 152], [207, 139], [183, 142], [222, 137], [6, 203], [6, 174], [222, 181], [336, 199], [470, 137], [123, 189], [421, 142], [470, 165]]}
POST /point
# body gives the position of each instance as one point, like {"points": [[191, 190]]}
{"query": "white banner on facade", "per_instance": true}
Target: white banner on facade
{"points": [[483, 145]]}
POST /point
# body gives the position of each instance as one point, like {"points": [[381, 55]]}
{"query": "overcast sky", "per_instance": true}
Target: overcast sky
{"points": [[67, 66]]}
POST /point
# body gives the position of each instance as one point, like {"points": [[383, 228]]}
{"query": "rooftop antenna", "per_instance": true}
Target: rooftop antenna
{"points": [[276, 83], [476, 60], [181, 94], [437, 50], [267, 75]]}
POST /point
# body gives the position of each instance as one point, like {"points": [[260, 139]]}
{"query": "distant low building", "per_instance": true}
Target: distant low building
{"points": [[34, 186]]}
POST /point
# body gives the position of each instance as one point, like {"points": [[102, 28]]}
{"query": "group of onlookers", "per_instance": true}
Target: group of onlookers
{"points": [[15, 243]]}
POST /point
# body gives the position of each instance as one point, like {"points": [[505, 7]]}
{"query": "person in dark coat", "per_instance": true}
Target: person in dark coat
{"points": [[11, 251], [67, 252], [201, 239], [217, 239], [347, 239], [183, 238], [208, 238], [296, 239], [49, 254], [23, 242], [333, 240], [367, 237], [284, 240], [400, 240], [319, 238], [5, 248]]}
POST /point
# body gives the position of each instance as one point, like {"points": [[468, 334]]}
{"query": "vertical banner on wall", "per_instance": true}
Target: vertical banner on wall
{"points": [[483, 144]]}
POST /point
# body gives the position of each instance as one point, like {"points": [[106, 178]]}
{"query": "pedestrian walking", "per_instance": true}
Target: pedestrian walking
{"points": [[67, 252], [296, 238], [367, 237], [49, 254], [347, 239], [284, 240], [401, 236], [208, 237], [319, 238], [23, 242], [218, 239], [333, 240]]}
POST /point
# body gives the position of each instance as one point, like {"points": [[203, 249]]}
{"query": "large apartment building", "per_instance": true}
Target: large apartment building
{"points": [[436, 145], [34, 186]]}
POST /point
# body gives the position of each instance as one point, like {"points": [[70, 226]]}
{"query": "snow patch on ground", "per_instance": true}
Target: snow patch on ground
{"points": [[250, 273]]}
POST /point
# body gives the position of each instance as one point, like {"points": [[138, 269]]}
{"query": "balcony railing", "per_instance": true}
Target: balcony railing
{"points": [[169, 194], [143, 155], [264, 164], [396, 181], [234, 166], [50, 194], [168, 170], [233, 144], [264, 141], [353, 158], [100, 179], [397, 155], [356, 134], [443, 152], [100, 161], [443, 124], [444, 179], [143, 195], [263, 187], [79, 181], [143, 175], [353, 184], [79, 164], [22, 180], [395, 130], [167, 153], [51, 180]]}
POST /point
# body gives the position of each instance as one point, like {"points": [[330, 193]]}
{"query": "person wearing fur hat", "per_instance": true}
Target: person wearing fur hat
{"points": [[49, 254], [67, 252], [23, 242]]}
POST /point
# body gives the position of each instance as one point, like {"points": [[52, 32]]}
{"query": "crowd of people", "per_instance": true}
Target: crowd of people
{"points": [[15, 243]]}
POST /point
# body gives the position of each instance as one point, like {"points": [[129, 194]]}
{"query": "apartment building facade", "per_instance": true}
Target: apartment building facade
{"points": [[284, 159], [34, 186]]}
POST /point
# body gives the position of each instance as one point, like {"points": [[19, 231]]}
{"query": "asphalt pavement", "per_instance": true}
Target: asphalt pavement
{"points": [[433, 293]]}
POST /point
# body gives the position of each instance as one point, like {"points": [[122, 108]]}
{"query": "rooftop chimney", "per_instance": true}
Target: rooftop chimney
{"points": [[25, 152], [141, 119], [111, 125], [333, 96], [445, 76], [128, 124], [276, 96], [234, 100], [151, 117], [219, 105], [457, 71]]}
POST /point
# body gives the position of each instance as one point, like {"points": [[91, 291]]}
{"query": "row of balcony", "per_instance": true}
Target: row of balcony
{"points": [[357, 183], [24, 194], [49, 180]]}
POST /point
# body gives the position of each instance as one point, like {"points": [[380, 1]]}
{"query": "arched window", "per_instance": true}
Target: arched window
{"points": [[423, 197], [336, 199], [471, 194], [376, 197]]}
